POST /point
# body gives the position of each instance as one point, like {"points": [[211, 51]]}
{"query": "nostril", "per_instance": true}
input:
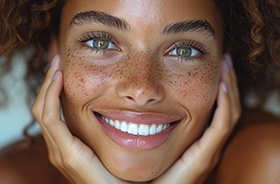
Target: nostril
{"points": [[130, 98], [140, 94]]}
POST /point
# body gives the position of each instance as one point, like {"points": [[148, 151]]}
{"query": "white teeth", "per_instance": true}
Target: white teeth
{"points": [[132, 129], [159, 129], [144, 129], [111, 122], [117, 125], [135, 129], [153, 129], [123, 126]]}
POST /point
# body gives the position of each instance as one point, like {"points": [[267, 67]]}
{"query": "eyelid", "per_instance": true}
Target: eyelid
{"points": [[196, 52], [98, 35], [200, 47], [189, 43]]}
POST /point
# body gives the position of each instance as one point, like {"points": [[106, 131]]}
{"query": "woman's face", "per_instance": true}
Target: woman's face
{"points": [[140, 79]]}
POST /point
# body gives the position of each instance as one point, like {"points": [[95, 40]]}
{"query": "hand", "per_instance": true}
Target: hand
{"points": [[80, 165], [72, 157], [197, 162]]}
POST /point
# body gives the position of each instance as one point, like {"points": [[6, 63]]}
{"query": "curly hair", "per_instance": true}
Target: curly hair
{"points": [[253, 29], [27, 24], [251, 33]]}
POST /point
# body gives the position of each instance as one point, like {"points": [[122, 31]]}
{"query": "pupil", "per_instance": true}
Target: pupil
{"points": [[101, 44], [184, 52]]}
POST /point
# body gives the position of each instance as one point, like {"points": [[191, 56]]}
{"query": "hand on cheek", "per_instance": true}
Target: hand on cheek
{"points": [[80, 165], [67, 153], [198, 160]]}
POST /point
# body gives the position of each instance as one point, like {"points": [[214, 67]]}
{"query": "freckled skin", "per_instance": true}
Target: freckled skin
{"points": [[142, 71]]}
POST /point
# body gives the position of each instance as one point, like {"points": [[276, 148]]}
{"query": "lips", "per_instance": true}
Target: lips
{"points": [[135, 130]]}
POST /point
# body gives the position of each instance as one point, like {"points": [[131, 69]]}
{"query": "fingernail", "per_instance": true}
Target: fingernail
{"points": [[55, 59], [224, 87], [228, 62], [55, 75]]}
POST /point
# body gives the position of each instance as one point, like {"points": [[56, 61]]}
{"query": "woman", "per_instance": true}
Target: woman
{"points": [[147, 89]]}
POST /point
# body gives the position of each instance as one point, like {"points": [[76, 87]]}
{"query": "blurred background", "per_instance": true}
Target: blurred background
{"points": [[15, 115]]}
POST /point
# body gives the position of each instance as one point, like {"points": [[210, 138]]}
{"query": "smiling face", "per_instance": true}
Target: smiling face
{"points": [[140, 79]]}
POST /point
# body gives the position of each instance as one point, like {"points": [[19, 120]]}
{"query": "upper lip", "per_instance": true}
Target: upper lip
{"points": [[139, 117]]}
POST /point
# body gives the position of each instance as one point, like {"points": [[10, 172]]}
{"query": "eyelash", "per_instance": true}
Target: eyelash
{"points": [[189, 44], [181, 44], [97, 36]]}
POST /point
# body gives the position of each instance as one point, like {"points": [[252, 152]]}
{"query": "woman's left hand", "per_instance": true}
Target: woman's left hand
{"points": [[201, 157]]}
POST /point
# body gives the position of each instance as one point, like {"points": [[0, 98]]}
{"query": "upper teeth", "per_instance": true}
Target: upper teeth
{"points": [[135, 129]]}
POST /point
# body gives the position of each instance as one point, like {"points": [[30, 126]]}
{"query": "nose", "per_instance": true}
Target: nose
{"points": [[141, 85]]}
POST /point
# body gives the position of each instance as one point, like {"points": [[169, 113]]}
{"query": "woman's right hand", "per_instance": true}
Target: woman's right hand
{"points": [[75, 160]]}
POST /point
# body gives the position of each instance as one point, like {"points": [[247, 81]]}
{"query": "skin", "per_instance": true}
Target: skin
{"points": [[94, 85], [184, 89], [85, 81]]}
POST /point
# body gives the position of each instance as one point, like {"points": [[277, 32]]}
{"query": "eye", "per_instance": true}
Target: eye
{"points": [[187, 50], [184, 52], [100, 43]]}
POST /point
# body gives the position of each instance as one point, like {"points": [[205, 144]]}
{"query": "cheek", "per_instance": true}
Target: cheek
{"points": [[197, 88], [82, 80]]}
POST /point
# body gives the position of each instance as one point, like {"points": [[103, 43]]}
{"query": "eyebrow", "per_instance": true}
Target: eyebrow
{"points": [[190, 26], [99, 17], [112, 21]]}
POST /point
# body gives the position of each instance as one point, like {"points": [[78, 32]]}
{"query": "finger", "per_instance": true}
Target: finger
{"points": [[51, 113], [51, 116], [221, 125], [230, 78], [227, 105], [40, 99]]}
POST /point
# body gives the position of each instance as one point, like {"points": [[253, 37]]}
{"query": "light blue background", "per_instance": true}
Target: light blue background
{"points": [[16, 114]]}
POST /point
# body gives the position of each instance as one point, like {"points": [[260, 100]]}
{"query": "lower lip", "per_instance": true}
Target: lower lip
{"points": [[136, 142]]}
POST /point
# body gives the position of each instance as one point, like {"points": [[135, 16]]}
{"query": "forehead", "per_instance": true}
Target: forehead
{"points": [[146, 10], [142, 14]]}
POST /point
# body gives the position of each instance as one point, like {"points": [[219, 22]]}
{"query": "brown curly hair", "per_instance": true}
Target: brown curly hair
{"points": [[251, 33], [27, 24]]}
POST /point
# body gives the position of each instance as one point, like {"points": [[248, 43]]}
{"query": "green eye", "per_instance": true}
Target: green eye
{"points": [[100, 44], [184, 52]]}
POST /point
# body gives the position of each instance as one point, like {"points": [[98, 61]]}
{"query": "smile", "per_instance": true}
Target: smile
{"points": [[135, 129]]}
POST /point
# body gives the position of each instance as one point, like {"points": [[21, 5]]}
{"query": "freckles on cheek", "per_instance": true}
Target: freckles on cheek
{"points": [[82, 80], [197, 88]]}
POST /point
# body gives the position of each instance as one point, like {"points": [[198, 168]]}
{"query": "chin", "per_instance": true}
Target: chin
{"points": [[135, 174], [137, 167]]}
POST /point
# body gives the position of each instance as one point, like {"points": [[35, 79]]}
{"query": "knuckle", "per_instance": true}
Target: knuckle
{"points": [[47, 118], [207, 164], [68, 162], [56, 161], [226, 130], [237, 114], [52, 159], [36, 111]]}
